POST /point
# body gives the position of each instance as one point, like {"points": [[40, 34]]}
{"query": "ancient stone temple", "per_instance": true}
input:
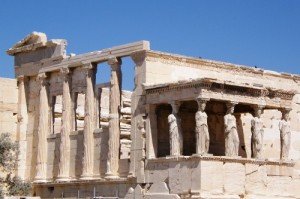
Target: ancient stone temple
{"points": [[191, 128]]}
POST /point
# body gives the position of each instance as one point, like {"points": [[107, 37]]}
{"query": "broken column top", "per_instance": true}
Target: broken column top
{"points": [[35, 47]]}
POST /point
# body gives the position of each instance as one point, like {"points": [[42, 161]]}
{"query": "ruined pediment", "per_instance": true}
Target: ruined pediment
{"points": [[30, 42], [35, 47], [32, 38]]}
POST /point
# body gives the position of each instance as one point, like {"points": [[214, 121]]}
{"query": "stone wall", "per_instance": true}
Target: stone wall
{"points": [[8, 106], [220, 177], [8, 111]]}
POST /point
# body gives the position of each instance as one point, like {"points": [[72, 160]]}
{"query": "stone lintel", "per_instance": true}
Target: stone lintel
{"points": [[101, 56]]}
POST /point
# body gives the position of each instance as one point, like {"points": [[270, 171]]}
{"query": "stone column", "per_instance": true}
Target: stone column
{"points": [[22, 127], [176, 140], [201, 130], [285, 134], [89, 121], [114, 118], [67, 122], [43, 130], [232, 141], [151, 132], [257, 134]]}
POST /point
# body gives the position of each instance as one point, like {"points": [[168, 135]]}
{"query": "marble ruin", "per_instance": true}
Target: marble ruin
{"points": [[191, 128]]}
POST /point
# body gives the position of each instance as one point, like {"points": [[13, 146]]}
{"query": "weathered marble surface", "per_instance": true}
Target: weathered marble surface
{"points": [[140, 173]]}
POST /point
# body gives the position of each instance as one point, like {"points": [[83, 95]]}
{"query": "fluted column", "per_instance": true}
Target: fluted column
{"points": [[89, 127], [201, 130], [176, 140], [67, 121], [43, 130], [22, 127], [114, 118]]}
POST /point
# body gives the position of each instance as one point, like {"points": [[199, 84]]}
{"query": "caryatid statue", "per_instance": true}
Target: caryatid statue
{"points": [[285, 135], [232, 141], [176, 142], [202, 134], [257, 134]]}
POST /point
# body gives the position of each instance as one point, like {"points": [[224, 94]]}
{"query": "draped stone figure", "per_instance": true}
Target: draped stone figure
{"points": [[285, 135], [176, 142], [231, 135], [257, 135], [202, 134]]}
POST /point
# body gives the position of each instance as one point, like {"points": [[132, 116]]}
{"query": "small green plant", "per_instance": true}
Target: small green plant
{"points": [[12, 186], [16, 187], [8, 152]]}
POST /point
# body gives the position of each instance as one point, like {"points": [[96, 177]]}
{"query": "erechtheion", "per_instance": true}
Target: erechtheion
{"points": [[191, 128]]}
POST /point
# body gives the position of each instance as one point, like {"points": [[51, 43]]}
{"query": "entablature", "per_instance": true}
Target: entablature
{"points": [[218, 90]]}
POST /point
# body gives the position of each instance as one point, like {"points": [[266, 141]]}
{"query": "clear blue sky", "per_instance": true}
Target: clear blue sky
{"points": [[254, 33]]}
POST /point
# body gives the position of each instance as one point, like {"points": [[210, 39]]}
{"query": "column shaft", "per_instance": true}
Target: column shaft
{"points": [[114, 120], [151, 132], [22, 127], [67, 122], [43, 131], [88, 140]]}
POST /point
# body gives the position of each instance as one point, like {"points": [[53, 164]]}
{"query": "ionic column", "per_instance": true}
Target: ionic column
{"points": [[22, 127], [232, 141], [176, 140], [114, 118], [43, 130], [67, 122], [257, 132], [89, 121], [201, 130], [285, 134]]}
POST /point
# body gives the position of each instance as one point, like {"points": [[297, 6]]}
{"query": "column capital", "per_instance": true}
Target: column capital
{"points": [[258, 107], [230, 104], [202, 100], [114, 62], [88, 68], [138, 57], [65, 71], [285, 113], [175, 106], [21, 79], [42, 78]]}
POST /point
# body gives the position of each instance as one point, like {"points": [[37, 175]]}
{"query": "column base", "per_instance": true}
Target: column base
{"points": [[40, 180], [63, 179], [87, 177], [111, 176]]}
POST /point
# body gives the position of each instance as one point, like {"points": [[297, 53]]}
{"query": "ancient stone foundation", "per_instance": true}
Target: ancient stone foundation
{"points": [[191, 128]]}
